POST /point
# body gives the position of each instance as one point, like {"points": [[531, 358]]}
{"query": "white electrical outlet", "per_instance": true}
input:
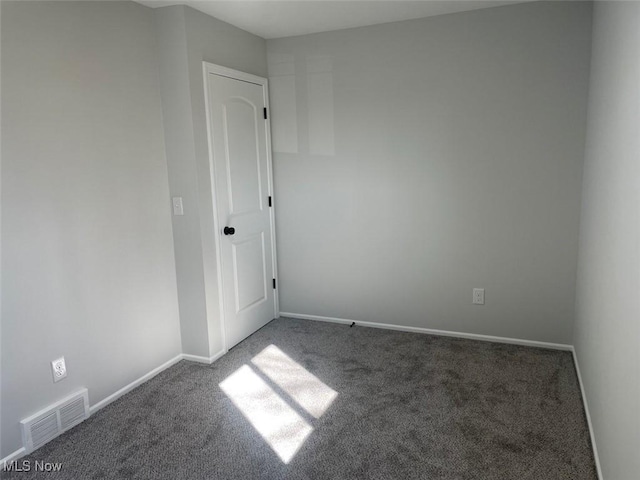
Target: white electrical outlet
{"points": [[478, 296], [59, 369]]}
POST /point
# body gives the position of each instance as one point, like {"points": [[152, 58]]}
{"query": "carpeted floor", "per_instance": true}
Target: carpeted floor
{"points": [[341, 403]]}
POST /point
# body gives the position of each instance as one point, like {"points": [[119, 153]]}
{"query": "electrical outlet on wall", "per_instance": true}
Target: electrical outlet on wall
{"points": [[478, 296], [59, 369]]}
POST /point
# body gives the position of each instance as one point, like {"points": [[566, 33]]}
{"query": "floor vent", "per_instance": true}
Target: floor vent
{"points": [[47, 424]]}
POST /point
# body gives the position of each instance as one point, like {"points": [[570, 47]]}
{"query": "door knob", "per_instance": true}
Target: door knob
{"points": [[229, 230]]}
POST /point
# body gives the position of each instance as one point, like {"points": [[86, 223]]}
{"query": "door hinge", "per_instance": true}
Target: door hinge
{"points": [[265, 113], [274, 283], [269, 200]]}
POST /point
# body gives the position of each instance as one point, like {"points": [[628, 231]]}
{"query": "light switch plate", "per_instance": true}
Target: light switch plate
{"points": [[177, 206]]}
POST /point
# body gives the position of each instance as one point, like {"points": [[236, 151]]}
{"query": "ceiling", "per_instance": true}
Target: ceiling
{"points": [[277, 18]]}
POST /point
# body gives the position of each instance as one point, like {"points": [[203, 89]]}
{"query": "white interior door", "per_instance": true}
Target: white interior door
{"points": [[242, 196]]}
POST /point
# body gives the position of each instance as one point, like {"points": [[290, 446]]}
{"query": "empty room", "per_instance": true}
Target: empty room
{"points": [[315, 239]]}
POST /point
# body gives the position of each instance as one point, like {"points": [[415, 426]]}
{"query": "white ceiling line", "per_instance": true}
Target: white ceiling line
{"points": [[285, 18]]}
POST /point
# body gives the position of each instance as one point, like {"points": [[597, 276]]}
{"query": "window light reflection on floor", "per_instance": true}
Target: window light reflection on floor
{"points": [[280, 425], [284, 429], [304, 387]]}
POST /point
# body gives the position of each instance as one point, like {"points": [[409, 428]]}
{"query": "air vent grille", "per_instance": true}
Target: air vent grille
{"points": [[44, 429], [52, 421], [72, 413]]}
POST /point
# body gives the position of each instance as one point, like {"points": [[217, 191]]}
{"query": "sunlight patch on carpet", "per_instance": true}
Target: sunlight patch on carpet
{"points": [[303, 387], [279, 425]]}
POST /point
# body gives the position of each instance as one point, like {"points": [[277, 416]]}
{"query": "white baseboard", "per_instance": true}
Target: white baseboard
{"points": [[196, 358], [430, 331], [151, 374], [12, 457], [103, 403], [127, 388], [205, 360], [208, 360], [588, 415], [474, 336]]}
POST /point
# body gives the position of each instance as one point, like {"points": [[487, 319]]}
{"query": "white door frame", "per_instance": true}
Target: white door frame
{"points": [[211, 68]]}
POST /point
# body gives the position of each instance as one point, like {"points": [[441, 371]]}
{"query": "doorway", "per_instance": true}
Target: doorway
{"points": [[242, 181]]}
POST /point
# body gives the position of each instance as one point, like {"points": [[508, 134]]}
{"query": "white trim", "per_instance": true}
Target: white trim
{"points": [[21, 452], [196, 358], [127, 388], [474, 336], [209, 360], [588, 415], [27, 423], [235, 74], [82, 392], [12, 457], [211, 68], [430, 331], [216, 222], [272, 210], [200, 359]]}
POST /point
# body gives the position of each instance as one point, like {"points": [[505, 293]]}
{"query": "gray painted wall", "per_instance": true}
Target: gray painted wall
{"points": [[178, 125], [416, 160], [607, 326], [88, 263], [187, 38]]}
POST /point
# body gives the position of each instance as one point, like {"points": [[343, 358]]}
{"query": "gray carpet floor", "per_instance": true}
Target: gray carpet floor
{"points": [[406, 406]]}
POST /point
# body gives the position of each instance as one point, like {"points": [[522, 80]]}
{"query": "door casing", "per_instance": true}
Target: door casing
{"points": [[211, 68]]}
